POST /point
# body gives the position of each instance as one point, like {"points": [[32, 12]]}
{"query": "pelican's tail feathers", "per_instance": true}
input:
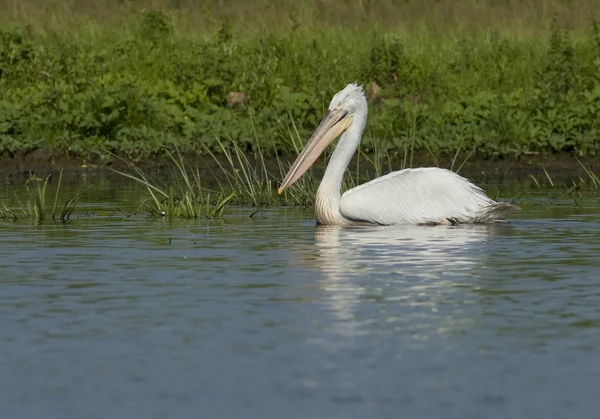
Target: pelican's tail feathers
{"points": [[496, 212]]}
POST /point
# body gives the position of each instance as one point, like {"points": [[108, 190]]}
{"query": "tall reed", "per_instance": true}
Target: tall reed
{"points": [[184, 197], [35, 207]]}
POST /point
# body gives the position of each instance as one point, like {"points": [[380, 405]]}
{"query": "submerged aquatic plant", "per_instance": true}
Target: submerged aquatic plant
{"points": [[35, 207]]}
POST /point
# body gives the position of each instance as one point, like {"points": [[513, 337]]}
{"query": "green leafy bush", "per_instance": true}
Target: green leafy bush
{"points": [[133, 91]]}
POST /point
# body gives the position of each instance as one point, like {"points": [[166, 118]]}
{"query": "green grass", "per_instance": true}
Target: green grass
{"points": [[183, 197], [593, 178], [249, 181], [36, 206], [489, 80], [249, 17], [576, 188], [234, 177]]}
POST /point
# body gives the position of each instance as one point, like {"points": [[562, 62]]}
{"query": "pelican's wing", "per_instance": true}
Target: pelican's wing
{"points": [[420, 196]]}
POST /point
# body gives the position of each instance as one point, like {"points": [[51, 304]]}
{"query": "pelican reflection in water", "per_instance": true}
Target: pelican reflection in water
{"points": [[407, 250], [411, 196], [410, 273]]}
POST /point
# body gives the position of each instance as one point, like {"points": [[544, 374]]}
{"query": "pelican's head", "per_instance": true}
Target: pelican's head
{"points": [[343, 107], [350, 99]]}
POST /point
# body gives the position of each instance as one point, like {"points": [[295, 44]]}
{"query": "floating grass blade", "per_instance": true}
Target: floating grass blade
{"points": [[6, 212], [69, 206], [217, 210], [535, 180], [595, 180], [40, 200], [548, 177], [55, 206]]}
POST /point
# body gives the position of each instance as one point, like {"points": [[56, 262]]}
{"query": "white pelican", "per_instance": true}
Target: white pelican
{"points": [[427, 195]]}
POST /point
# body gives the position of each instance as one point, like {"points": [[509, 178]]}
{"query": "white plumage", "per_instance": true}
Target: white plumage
{"points": [[411, 196], [417, 196]]}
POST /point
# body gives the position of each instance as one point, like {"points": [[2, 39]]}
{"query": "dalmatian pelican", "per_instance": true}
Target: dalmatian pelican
{"points": [[427, 195]]}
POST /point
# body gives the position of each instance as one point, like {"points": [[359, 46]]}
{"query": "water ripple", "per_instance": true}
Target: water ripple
{"points": [[273, 316]]}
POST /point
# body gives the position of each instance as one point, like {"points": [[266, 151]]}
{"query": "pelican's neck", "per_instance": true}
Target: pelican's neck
{"points": [[327, 202]]}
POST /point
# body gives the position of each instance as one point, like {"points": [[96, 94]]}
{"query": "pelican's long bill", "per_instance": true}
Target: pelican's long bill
{"points": [[334, 123]]}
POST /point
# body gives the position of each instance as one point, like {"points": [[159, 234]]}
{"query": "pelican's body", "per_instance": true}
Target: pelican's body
{"points": [[411, 196]]}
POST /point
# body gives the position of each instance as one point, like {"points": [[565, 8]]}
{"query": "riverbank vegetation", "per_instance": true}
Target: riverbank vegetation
{"points": [[484, 78], [250, 182], [40, 203], [183, 189]]}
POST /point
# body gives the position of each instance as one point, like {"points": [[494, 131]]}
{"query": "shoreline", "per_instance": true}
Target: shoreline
{"points": [[560, 167]]}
